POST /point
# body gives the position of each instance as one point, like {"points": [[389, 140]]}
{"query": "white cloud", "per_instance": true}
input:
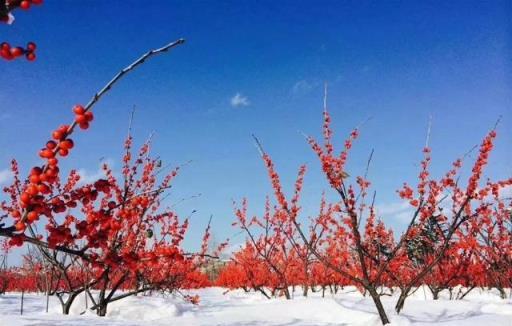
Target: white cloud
{"points": [[231, 249], [5, 176], [87, 176], [302, 86], [393, 208], [400, 211], [506, 192], [239, 100]]}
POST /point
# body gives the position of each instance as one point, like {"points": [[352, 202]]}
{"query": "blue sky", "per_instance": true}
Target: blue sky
{"points": [[259, 67]]}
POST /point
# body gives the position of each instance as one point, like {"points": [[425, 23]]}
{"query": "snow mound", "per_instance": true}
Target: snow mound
{"points": [[143, 309], [237, 308]]}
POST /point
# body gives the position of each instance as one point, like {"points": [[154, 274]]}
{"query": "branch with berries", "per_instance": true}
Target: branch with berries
{"points": [[31, 195]]}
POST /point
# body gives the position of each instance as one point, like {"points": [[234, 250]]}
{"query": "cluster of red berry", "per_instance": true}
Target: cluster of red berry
{"points": [[25, 4], [9, 52], [82, 118], [43, 178]]}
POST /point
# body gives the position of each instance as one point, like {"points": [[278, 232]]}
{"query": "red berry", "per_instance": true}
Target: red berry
{"points": [[25, 4], [44, 189], [46, 153], [37, 2], [78, 109], [51, 144], [84, 125], [64, 128], [32, 190], [67, 144], [59, 134], [80, 118], [52, 171], [31, 56], [31, 46], [43, 177], [53, 161], [16, 52], [63, 152], [20, 226], [89, 115], [34, 178], [6, 54], [25, 198], [32, 216]]}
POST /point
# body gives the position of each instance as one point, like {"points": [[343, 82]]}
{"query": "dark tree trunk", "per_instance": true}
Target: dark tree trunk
{"points": [[66, 305], [287, 293], [465, 293], [263, 292], [435, 293], [378, 304], [401, 300], [102, 309], [503, 294]]}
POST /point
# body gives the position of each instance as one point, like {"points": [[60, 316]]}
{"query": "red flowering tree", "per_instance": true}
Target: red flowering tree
{"points": [[115, 234], [248, 271], [492, 234], [270, 244]]}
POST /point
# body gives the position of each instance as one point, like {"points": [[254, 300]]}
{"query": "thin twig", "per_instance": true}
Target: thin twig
{"points": [[109, 86], [325, 97], [258, 145], [427, 140]]}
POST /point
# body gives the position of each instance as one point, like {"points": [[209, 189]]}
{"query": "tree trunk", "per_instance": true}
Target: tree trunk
{"points": [[465, 293], [378, 304], [263, 292], [287, 293], [66, 305], [22, 299], [102, 309], [401, 300], [503, 294], [47, 292]]}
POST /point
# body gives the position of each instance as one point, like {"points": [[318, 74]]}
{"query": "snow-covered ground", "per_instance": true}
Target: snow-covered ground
{"points": [[239, 308]]}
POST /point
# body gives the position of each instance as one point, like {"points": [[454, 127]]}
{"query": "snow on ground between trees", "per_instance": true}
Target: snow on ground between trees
{"points": [[348, 307]]}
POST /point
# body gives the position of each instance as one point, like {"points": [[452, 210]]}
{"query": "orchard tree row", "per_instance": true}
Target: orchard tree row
{"points": [[460, 232]]}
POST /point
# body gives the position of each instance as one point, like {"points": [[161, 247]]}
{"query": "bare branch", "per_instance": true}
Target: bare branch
{"points": [[427, 140], [325, 97], [258, 145]]}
